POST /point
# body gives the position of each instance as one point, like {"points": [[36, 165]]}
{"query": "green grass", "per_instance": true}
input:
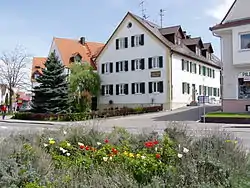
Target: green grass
{"points": [[228, 115]]}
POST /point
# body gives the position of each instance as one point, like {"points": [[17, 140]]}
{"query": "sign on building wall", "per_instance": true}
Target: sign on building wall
{"points": [[156, 74], [245, 75]]}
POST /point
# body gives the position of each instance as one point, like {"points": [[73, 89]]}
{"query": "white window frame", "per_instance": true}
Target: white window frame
{"points": [[106, 68], [155, 62], [107, 90], [121, 43], [240, 41], [137, 88], [186, 64], [121, 89], [193, 67], [121, 65], [185, 88], [155, 88], [137, 64], [198, 51], [137, 40]]}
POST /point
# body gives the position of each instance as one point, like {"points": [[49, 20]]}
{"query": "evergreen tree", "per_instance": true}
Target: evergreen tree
{"points": [[51, 95]]}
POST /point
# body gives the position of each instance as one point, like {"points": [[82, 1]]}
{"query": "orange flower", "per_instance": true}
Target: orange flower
{"points": [[115, 151], [158, 156]]}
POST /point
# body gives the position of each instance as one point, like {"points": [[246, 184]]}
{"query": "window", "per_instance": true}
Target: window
{"points": [[178, 40], [192, 67], [245, 41], [122, 43], [138, 88], [107, 68], [122, 89], [36, 75], [107, 90], [155, 62], [185, 88], [137, 40], [204, 70], [198, 51], [208, 56], [137, 64], [213, 73], [185, 65], [155, 87], [121, 66], [215, 92]]}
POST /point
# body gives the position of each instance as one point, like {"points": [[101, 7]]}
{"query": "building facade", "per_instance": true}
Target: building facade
{"points": [[144, 65], [68, 51], [234, 32]]}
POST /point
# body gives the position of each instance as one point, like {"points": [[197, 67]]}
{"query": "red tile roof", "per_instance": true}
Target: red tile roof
{"points": [[68, 48]]}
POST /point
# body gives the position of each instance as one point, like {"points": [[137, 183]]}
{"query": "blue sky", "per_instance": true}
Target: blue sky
{"points": [[33, 24]]}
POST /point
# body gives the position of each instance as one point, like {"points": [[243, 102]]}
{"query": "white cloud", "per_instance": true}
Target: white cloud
{"points": [[219, 8]]}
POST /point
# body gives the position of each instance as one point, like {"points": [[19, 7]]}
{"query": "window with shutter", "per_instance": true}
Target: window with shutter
{"points": [[142, 88], [126, 89], [126, 65], [133, 65], [126, 42], [107, 90], [183, 64], [183, 87], [122, 43], [150, 87], [132, 41], [142, 66], [117, 89], [111, 89], [160, 87], [150, 63], [111, 67], [107, 68], [160, 61], [103, 68]]}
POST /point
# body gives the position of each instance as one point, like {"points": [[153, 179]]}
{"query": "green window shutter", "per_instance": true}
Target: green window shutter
{"points": [[195, 68], [187, 63], [188, 88], [200, 90], [213, 74], [191, 67], [199, 69]]}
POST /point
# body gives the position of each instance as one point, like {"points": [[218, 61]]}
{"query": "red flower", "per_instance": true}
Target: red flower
{"points": [[156, 142], [81, 146], [87, 148], [149, 144], [158, 156], [114, 151], [106, 141]]}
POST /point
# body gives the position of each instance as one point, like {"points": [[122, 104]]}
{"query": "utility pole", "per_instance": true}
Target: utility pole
{"points": [[144, 16], [162, 15]]}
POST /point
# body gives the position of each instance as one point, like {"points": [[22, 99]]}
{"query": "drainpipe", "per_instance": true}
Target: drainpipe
{"points": [[171, 70], [221, 73]]}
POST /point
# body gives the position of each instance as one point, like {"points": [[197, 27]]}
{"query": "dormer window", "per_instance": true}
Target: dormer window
{"points": [[208, 55], [36, 75], [78, 58], [198, 51], [178, 41]]}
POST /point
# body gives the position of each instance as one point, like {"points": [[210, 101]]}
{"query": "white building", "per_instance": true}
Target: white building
{"points": [[234, 31], [143, 64]]}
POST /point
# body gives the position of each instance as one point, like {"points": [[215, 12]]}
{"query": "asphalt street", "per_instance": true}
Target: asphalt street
{"points": [[140, 123]]}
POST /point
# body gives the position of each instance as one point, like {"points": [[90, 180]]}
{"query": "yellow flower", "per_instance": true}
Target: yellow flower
{"points": [[52, 142], [125, 153], [138, 155], [131, 155], [68, 144]]}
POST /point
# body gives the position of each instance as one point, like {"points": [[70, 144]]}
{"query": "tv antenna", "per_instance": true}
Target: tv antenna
{"points": [[144, 16], [162, 15]]}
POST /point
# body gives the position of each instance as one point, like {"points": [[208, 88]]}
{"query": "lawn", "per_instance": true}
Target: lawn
{"points": [[227, 115]]}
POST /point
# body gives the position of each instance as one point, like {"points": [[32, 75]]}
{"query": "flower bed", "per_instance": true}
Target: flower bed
{"points": [[86, 158], [85, 116]]}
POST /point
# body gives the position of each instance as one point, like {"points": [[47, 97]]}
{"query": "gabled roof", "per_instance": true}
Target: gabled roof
{"points": [[231, 23], [171, 30], [155, 31], [193, 41], [208, 46], [228, 12], [38, 62], [68, 48]]}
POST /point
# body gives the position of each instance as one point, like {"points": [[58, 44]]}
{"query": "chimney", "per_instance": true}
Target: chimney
{"points": [[82, 40], [185, 33]]}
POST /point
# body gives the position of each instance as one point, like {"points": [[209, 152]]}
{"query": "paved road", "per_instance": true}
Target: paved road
{"points": [[146, 122]]}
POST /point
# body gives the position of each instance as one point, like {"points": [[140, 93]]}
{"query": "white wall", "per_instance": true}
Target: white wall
{"points": [[240, 57], [151, 48], [239, 11], [179, 76]]}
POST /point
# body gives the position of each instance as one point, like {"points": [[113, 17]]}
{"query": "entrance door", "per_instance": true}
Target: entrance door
{"points": [[94, 104]]}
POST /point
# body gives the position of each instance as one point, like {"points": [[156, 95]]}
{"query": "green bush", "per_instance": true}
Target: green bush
{"points": [[79, 157]]}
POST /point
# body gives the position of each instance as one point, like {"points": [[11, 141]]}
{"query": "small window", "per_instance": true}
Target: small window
{"points": [[122, 89], [245, 41], [138, 88], [36, 76], [129, 25], [137, 40], [122, 43], [185, 88], [107, 90], [107, 68]]}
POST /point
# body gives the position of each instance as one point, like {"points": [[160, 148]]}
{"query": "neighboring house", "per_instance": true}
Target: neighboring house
{"points": [[234, 32], [4, 93], [143, 65], [68, 51]]}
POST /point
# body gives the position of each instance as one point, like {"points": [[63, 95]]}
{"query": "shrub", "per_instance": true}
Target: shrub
{"points": [[79, 157]]}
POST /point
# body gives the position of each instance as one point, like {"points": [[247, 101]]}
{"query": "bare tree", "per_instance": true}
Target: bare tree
{"points": [[13, 70]]}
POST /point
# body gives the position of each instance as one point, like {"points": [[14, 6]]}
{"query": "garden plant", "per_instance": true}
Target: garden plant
{"points": [[81, 157]]}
